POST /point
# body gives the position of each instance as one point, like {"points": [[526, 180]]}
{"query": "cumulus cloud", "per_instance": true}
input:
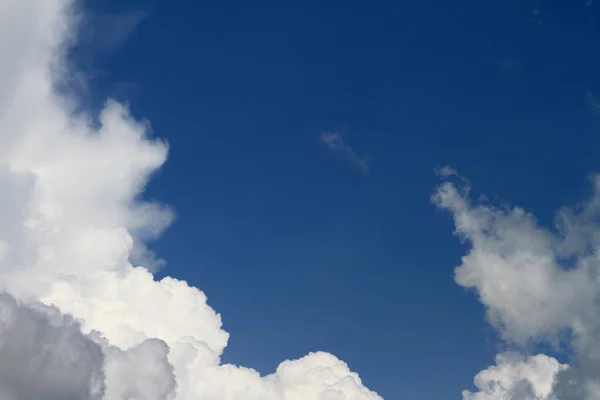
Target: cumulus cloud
{"points": [[538, 284], [517, 377], [335, 142], [45, 355], [83, 316]]}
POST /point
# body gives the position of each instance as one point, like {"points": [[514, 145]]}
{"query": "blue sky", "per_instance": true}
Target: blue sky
{"points": [[297, 247]]}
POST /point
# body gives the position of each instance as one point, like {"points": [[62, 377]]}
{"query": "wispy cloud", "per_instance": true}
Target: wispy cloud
{"points": [[593, 100], [336, 143], [109, 32], [116, 29], [445, 172]]}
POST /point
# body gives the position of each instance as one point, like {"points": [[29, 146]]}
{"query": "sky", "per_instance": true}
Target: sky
{"points": [[266, 200]]}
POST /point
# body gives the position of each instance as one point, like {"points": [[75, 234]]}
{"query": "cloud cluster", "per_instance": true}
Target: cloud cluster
{"points": [[81, 318], [539, 285]]}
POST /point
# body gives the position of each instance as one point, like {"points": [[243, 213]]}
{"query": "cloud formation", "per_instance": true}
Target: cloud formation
{"points": [[82, 317], [335, 142], [539, 285]]}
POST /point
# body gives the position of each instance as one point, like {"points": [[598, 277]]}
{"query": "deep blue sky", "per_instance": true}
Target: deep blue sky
{"points": [[297, 249]]}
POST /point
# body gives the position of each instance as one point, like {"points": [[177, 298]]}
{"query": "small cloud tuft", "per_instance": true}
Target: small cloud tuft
{"points": [[445, 172], [336, 143]]}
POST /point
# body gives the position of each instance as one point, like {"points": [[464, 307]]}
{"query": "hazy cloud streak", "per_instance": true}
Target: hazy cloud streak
{"points": [[335, 142]]}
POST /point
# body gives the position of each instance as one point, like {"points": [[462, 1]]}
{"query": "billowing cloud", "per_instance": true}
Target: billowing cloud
{"points": [[538, 285], [335, 142], [83, 316], [517, 377], [45, 355]]}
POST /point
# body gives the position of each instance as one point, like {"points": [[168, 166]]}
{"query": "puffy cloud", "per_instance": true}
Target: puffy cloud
{"points": [[320, 376], [517, 377], [537, 284], [513, 267], [72, 232], [45, 355], [142, 372]]}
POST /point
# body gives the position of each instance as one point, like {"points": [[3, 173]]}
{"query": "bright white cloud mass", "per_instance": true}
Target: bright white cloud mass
{"points": [[79, 319]]}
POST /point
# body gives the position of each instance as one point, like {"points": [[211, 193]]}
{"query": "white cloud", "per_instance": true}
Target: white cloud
{"points": [[536, 283], [335, 142], [517, 377], [72, 224]]}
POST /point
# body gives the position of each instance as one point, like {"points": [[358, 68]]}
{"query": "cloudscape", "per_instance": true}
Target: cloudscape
{"points": [[84, 316]]}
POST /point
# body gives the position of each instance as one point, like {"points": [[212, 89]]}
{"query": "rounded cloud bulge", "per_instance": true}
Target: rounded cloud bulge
{"points": [[77, 319]]}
